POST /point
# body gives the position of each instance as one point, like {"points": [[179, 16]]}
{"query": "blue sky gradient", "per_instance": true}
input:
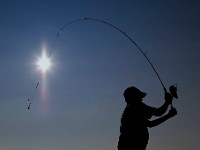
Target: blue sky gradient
{"points": [[78, 104]]}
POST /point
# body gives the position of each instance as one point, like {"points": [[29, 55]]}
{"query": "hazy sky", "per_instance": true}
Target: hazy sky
{"points": [[79, 102]]}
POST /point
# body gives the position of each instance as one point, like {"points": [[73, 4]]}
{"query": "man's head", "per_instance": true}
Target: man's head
{"points": [[133, 95]]}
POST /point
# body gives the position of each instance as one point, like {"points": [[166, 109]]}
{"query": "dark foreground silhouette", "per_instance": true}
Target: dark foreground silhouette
{"points": [[135, 121]]}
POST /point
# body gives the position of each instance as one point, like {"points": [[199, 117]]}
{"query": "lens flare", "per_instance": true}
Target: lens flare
{"points": [[44, 63]]}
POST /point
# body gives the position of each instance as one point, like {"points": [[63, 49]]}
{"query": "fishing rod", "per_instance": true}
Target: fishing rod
{"points": [[172, 88]]}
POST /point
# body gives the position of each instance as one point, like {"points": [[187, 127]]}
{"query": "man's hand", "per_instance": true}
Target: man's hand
{"points": [[172, 112], [168, 98]]}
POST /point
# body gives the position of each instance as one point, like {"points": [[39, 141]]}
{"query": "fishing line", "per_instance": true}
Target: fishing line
{"points": [[33, 95], [119, 30]]}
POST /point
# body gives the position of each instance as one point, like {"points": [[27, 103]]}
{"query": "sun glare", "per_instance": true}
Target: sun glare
{"points": [[44, 63]]}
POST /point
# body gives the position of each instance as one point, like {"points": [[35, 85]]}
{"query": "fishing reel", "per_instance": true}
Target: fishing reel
{"points": [[173, 91]]}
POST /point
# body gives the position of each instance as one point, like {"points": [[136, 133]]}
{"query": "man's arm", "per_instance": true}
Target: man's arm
{"points": [[160, 120], [162, 109]]}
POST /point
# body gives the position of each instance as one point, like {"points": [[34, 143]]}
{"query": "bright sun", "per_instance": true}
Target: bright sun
{"points": [[44, 63]]}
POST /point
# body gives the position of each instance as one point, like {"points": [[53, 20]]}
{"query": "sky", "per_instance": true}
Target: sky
{"points": [[79, 101]]}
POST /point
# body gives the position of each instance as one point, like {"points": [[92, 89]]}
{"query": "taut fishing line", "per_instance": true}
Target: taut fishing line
{"points": [[172, 89]]}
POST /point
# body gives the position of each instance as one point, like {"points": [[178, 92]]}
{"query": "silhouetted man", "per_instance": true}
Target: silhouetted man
{"points": [[135, 119]]}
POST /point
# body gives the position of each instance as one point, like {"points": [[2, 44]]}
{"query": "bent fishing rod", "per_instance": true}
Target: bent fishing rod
{"points": [[172, 88]]}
